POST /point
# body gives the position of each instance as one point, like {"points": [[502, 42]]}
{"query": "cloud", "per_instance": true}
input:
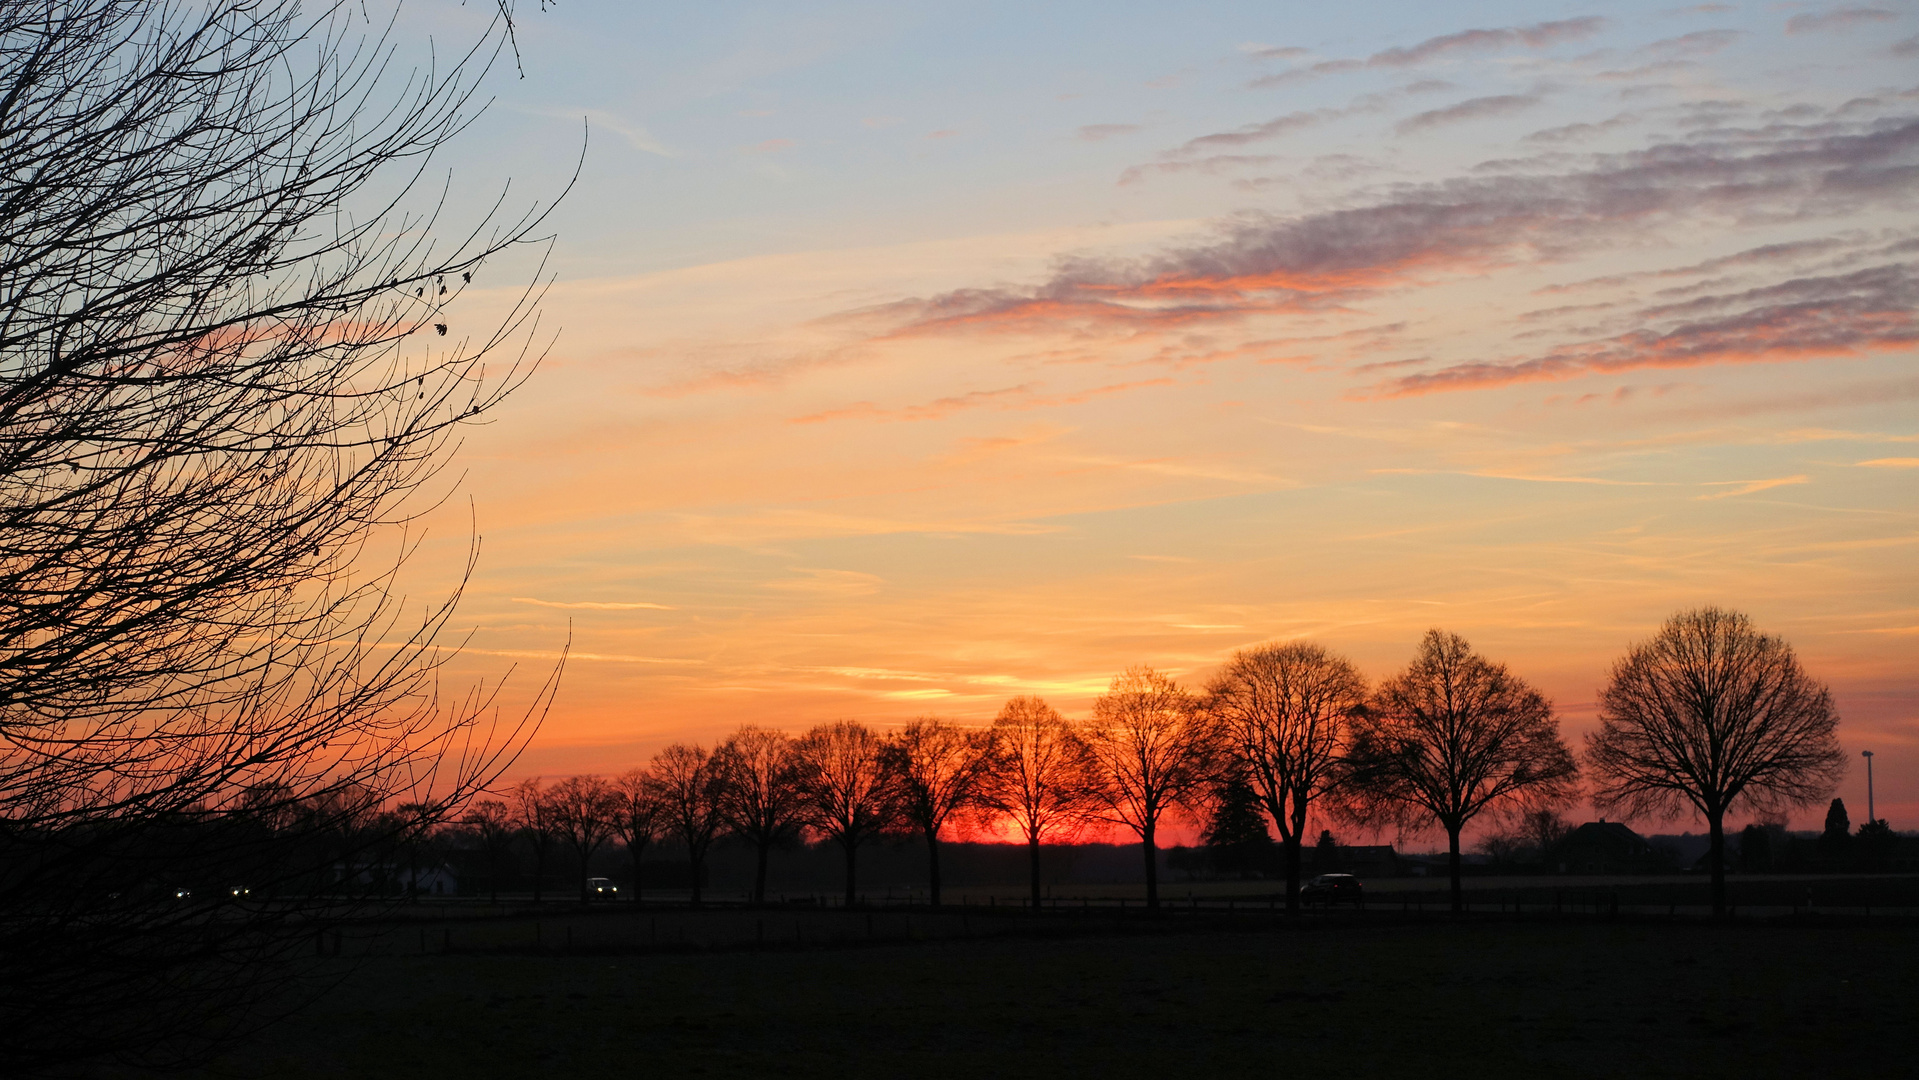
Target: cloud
{"points": [[1011, 397], [1210, 166], [1850, 315], [1478, 108], [1252, 133], [1890, 463], [1101, 132], [1537, 36], [1838, 20], [770, 146], [1748, 487], [828, 582], [1572, 132], [943, 133], [1260, 263], [592, 605], [1907, 47], [1697, 43]]}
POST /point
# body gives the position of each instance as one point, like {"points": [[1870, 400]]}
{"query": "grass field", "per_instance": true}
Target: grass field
{"points": [[1347, 997]]}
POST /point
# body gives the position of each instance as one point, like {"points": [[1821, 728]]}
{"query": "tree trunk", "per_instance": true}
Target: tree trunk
{"points": [[586, 867], [1032, 851], [933, 863], [1151, 851], [693, 860], [759, 875], [1716, 854], [539, 875], [852, 899], [1292, 873], [636, 852], [1452, 867]]}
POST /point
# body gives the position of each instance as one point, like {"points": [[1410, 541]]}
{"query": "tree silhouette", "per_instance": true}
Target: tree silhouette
{"points": [[216, 409], [1453, 735], [759, 794], [686, 786], [533, 815], [637, 819], [1155, 751], [492, 823], [1284, 710], [936, 769], [1040, 776], [1709, 715], [1836, 838], [584, 809], [843, 785], [1236, 838]]}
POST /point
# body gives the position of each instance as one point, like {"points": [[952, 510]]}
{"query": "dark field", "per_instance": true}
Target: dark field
{"points": [[1340, 996]]}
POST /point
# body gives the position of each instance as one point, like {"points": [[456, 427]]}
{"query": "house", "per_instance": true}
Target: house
{"points": [[1605, 847]]}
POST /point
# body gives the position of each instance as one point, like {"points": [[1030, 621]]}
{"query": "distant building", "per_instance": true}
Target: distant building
{"points": [[1605, 847]]}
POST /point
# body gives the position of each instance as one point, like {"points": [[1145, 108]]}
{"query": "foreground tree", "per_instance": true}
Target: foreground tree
{"points": [[1040, 776], [583, 811], [1284, 711], [842, 782], [686, 786], [936, 769], [1156, 750], [222, 380], [638, 819], [1451, 736], [1709, 715], [759, 794]]}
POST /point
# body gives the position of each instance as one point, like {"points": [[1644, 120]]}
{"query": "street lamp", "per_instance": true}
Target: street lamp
{"points": [[1870, 816]]}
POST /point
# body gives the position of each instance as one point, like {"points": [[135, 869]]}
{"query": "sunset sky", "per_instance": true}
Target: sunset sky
{"points": [[913, 356]]}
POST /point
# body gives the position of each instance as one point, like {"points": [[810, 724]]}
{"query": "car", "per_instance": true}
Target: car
{"points": [[600, 888], [1329, 889]]}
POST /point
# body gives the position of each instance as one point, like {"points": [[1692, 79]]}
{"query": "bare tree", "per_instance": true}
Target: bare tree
{"points": [[492, 823], [638, 819], [686, 786], [227, 372], [1284, 710], [759, 794], [1453, 735], [1708, 715], [842, 781], [1156, 750], [936, 769], [533, 815], [1041, 776], [583, 810]]}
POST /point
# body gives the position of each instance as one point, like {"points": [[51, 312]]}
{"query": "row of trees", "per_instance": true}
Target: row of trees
{"points": [[1708, 715]]}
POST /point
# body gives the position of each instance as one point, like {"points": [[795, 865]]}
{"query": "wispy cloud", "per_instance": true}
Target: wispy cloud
{"points": [[1270, 264], [1102, 132], [1478, 108], [1536, 36], [1849, 315], [593, 605], [1748, 487], [1838, 20]]}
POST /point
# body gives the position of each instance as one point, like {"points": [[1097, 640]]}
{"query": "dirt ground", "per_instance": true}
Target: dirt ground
{"points": [[1353, 998]]}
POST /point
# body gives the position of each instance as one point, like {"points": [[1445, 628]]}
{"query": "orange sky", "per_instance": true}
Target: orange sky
{"points": [[881, 394]]}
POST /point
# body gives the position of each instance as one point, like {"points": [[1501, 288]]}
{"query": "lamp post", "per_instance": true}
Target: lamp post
{"points": [[1870, 816]]}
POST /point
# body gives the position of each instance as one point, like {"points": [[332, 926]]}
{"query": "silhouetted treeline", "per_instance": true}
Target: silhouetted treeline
{"points": [[1708, 716]]}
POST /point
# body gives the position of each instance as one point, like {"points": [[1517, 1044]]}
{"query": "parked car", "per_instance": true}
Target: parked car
{"points": [[599, 888], [1329, 889]]}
